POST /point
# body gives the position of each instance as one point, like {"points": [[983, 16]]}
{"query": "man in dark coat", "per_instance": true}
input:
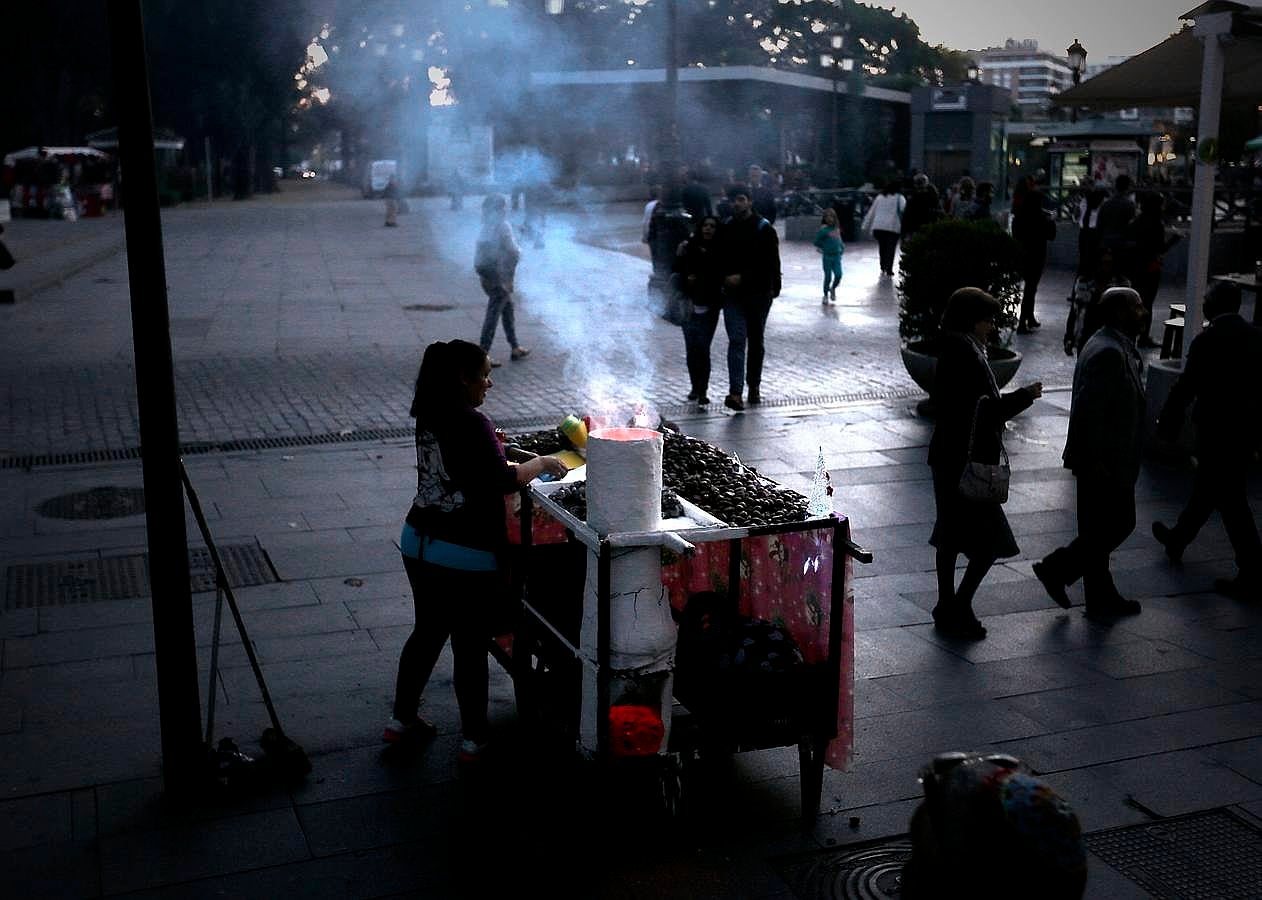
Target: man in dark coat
{"points": [[762, 194], [695, 198], [1114, 218], [750, 250], [1106, 430], [1222, 374]]}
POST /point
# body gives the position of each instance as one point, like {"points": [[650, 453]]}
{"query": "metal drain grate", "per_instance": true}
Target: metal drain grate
{"points": [[69, 582], [1214, 854], [871, 871], [97, 503], [428, 307]]}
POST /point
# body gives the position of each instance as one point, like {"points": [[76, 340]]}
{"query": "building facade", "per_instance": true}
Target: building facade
{"points": [[1031, 76]]}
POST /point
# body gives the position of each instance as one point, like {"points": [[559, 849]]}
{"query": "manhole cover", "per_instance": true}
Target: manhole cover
{"points": [[1211, 854], [97, 503], [68, 582], [428, 307], [870, 871]]}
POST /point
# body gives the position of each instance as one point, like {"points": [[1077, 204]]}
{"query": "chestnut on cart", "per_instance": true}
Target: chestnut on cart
{"points": [[675, 604]]}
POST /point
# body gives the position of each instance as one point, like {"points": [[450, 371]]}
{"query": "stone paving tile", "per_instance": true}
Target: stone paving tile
{"points": [[1171, 784], [1144, 737], [926, 731]]}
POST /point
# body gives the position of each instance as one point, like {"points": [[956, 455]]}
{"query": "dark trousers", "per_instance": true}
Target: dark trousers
{"points": [[1035, 262], [499, 305], [886, 242], [1222, 484], [449, 603], [746, 323], [1106, 517], [698, 336]]}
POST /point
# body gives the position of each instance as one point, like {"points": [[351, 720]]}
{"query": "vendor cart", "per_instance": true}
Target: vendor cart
{"points": [[786, 581]]}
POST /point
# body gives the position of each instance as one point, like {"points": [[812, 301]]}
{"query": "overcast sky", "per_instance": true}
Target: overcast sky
{"points": [[1105, 27]]}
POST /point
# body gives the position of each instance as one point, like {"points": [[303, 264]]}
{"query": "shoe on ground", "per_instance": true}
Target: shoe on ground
{"points": [[961, 624], [755, 397], [733, 401], [519, 353], [1054, 586], [825, 300], [694, 394], [1112, 608], [495, 363], [396, 731], [471, 751], [703, 400], [1241, 587], [832, 296], [1165, 537], [1033, 322]]}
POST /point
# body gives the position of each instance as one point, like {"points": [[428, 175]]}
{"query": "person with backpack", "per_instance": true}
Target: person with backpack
{"points": [[750, 249], [495, 262]]}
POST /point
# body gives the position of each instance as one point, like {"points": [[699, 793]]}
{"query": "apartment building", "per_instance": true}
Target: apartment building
{"points": [[1032, 76]]}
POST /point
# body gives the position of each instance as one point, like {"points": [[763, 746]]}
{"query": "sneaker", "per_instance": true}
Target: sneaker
{"points": [[755, 397], [1165, 537], [471, 751], [1054, 587], [734, 401], [519, 353], [825, 300], [694, 394], [396, 731], [703, 400], [495, 363]]}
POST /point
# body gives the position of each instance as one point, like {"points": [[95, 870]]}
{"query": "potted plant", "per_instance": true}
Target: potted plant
{"points": [[936, 261]]}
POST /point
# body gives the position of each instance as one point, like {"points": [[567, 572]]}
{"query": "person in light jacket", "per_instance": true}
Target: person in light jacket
{"points": [[885, 220]]}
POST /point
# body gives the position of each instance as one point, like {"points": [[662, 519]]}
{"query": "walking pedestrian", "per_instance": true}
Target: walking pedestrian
{"points": [[964, 200], [700, 269], [496, 264], [828, 242], [1102, 449], [1115, 215], [751, 280], [1221, 375], [884, 219], [453, 539], [1146, 242], [762, 192], [1089, 231], [1032, 228], [391, 195], [924, 206], [970, 417]]}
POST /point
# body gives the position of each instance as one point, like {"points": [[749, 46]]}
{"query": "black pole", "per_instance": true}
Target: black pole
{"points": [[836, 124], [175, 649], [673, 225]]}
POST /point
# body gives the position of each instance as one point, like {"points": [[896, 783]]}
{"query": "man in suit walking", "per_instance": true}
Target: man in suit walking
{"points": [[1222, 374], [1106, 428]]}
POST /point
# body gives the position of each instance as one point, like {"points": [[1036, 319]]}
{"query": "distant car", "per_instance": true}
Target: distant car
{"points": [[377, 176]]}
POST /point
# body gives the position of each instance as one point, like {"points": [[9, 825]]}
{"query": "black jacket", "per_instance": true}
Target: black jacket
{"points": [[702, 259], [961, 379], [751, 249], [1223, 374]]}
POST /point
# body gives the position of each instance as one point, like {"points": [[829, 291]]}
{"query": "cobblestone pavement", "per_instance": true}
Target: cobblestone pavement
{"points": [[301, 315]]}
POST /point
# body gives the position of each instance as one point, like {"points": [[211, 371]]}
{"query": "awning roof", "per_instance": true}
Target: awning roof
{"points": [[34, 152], [1169, 74]]}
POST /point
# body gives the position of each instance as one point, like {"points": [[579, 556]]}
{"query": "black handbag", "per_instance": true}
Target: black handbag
{"points": [[984, 482]]}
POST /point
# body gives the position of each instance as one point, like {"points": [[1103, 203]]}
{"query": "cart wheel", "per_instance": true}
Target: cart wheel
{"points": [[811, 775]]}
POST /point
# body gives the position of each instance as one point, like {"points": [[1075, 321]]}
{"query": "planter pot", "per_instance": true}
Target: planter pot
{"points": [[921, 360]]}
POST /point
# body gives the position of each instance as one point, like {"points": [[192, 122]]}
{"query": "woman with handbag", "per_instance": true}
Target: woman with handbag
{"points": [[968, 460], [454, 538]]}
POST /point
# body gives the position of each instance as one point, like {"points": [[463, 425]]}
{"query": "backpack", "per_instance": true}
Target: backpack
{"points": [[486, 259]]}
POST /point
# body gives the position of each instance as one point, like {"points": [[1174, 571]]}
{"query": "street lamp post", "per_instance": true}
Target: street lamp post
{"points": [[1078, 64], [837, 63]]}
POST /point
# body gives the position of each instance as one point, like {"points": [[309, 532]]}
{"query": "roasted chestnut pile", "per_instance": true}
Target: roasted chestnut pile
{"points": [[573, 499], [724, 487], [539, 442]]}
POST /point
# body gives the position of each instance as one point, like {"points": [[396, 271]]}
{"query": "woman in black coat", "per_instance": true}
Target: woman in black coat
{"points": [[964, 388], [700, 271]]}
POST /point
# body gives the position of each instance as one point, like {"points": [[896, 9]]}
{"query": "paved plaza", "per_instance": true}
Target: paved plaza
{"points": [[299, 319]]}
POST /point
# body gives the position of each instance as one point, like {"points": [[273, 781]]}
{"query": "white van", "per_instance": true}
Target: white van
{"points": [[377, 176]]}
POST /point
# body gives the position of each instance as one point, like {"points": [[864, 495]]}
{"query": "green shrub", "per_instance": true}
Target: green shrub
{"points": [[952, 254]]}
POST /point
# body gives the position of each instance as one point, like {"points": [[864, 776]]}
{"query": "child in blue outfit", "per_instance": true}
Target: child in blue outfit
{"points": [[828, 242]]}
